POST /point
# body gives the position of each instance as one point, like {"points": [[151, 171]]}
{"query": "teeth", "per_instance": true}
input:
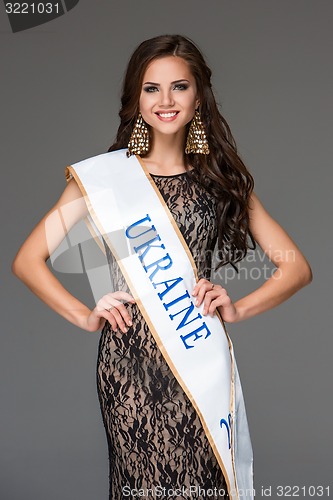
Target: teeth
{"points": [[167, 115]]}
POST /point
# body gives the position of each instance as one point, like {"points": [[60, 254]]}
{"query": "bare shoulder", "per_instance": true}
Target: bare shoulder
{"points": [[52, 228], [255, 205], [71, 204], [269, 234], [260, 219], [71, 192]]}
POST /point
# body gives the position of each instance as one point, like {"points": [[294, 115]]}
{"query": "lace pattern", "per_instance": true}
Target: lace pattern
{"points": [[155, 438]]}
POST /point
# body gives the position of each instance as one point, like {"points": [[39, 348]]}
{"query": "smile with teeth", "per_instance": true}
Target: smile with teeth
{"points": [[167, 115]]}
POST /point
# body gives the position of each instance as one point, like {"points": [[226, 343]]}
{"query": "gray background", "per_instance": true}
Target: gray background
{"points": [[60, 82]]}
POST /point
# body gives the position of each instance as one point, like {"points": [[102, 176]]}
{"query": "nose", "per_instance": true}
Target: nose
{"points": [[166, 98]]}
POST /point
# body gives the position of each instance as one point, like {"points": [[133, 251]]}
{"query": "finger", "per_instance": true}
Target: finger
{"points": [[210, 297], [124, 313], [106, 316], [117, 312], [122, 310], [200, 290], [221, 301], [119, 319], [123, 296], [205, 288], [197, 287], [108, 302]]}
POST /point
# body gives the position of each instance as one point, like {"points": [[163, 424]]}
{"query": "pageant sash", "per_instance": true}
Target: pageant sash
{"points": [[129, 213]]}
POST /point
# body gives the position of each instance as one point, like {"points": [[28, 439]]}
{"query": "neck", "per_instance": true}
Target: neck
{"points": [[167, 154]]}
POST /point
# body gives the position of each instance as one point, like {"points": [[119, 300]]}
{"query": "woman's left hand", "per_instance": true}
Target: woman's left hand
{"points": [[214, 297]]}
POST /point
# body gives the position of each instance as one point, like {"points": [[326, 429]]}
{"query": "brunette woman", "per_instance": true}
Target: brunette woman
{"points": [[175, 153]]}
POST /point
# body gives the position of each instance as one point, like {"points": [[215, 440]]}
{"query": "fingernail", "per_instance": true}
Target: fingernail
{"points": [[129, 322], [196, 302]]}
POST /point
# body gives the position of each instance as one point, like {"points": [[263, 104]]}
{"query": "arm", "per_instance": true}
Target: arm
{"points": [[30, 266], [292, 273]]}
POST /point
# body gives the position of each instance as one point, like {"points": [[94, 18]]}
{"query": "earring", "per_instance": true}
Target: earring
{"points": [[196, 140], [139, 140]]}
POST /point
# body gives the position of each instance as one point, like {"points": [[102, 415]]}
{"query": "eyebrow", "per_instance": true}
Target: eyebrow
{"points": [[172, 83]]}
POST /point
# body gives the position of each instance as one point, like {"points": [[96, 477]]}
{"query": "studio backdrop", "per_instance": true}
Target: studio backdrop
{"points": [[61, 74]]}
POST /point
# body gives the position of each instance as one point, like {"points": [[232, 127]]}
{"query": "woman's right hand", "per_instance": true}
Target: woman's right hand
{"points": [[111, 307]]}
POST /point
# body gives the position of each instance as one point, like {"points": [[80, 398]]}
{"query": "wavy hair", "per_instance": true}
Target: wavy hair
{"points": [[222, 172]]}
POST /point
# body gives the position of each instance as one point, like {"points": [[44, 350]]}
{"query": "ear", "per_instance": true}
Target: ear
{"points": [[197, 103]]}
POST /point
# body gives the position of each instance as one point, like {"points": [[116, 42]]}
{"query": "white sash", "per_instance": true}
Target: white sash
{"points": [[129, 213]]}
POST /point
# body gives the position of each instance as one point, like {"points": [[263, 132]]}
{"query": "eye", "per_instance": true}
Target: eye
{"points": [[181, 86], [150, 88]]}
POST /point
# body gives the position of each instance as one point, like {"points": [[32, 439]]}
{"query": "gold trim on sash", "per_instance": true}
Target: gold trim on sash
{"points": [[70, 175]]}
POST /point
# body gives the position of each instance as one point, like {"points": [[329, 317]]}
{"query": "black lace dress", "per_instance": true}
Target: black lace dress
{"points": [[155, 438]]}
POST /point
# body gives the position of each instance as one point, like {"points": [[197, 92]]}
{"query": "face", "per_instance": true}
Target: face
{"points": [[168, 97]]}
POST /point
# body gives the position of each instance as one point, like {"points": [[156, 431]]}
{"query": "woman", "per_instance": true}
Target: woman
{"points": [[157, 427]]}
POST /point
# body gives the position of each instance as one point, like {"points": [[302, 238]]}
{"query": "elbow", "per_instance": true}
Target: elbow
{"points": [[17, 267], [308, 276], [298, 274], [26, 267], [305, 274]]}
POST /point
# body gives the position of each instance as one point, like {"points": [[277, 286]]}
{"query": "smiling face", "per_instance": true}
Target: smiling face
{"points": [[168, 97]]}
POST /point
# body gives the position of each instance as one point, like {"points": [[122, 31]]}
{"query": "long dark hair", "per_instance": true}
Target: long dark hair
{"points": [[222, 172]]}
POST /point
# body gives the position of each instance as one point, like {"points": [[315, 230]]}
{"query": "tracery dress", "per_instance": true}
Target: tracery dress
{"points": [[156, 441]]}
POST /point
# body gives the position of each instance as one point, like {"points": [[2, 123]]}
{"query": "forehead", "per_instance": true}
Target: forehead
{"points": [[168, 68]]}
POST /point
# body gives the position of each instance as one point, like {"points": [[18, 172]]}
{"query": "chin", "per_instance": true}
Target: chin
{"points": [[168, 128]]}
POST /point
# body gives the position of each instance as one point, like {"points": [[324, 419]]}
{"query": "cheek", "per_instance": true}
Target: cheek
{"points": [[190, 101], [141, 102], [145, 103], [147, 98], [143, 95], [143, 109]]}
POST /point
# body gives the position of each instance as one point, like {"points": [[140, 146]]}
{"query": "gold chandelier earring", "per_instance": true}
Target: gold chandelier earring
{"points": [[139, 140], [196, 139]]}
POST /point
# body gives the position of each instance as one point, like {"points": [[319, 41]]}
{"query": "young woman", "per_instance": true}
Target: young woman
{"points": [[175, 187]]}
